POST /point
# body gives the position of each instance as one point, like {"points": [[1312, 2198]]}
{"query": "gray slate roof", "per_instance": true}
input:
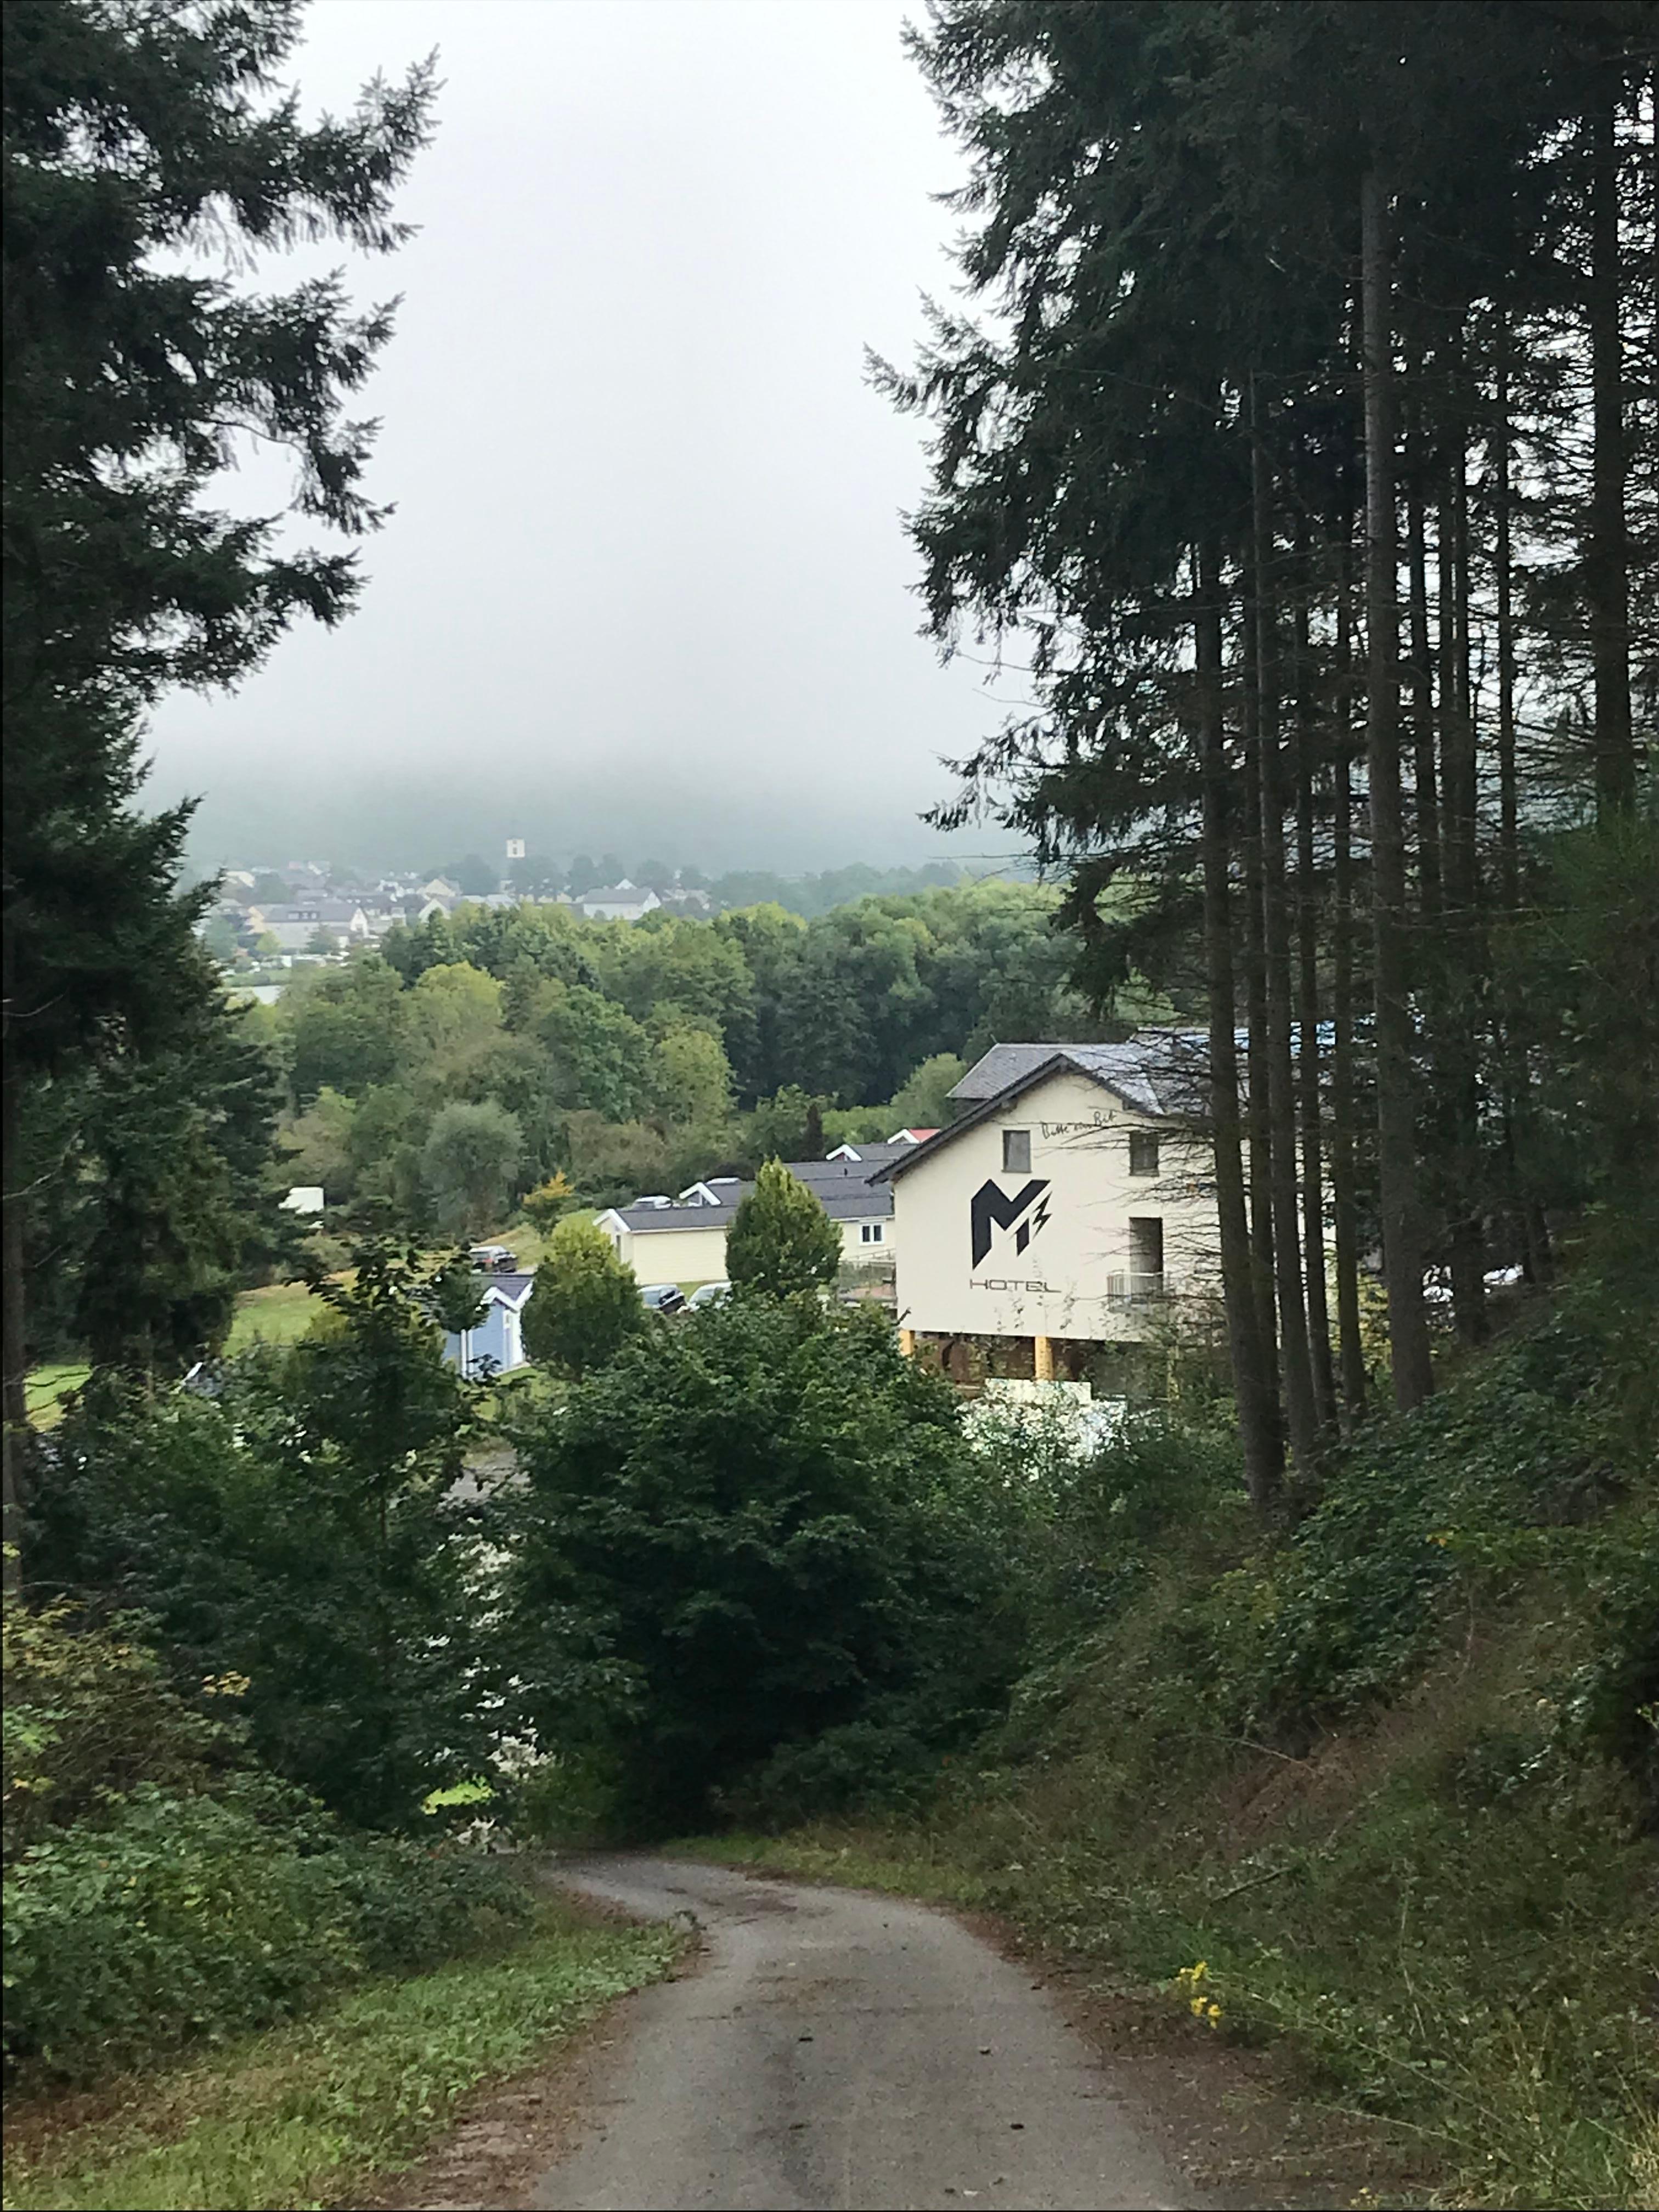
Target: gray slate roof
{"points": [[1158, 1072], [512, 1284], [842, 1187]]}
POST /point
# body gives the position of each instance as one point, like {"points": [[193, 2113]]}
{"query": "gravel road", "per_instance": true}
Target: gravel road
{"points": [[839, 2050]]}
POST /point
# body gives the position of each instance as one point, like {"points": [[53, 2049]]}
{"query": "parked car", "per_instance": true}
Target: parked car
{"points": [[707, 1294], [662, 1298], [494, 1259]]}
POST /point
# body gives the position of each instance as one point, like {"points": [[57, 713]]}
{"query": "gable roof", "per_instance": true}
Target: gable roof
{"points": [[843, 1197], [1162, 1073], [1154, 1071], [506, 1289]]}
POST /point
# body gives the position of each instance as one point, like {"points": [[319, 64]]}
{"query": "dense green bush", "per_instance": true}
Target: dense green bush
{"points": [[749, 1529], [586, 1302], [89, 1715], [170, 1918], [1527, 1465], [160, 1888], [303, 1531]]}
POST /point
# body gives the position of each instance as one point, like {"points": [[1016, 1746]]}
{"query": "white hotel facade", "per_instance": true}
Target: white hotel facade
{"points": [[1070, 1201]]}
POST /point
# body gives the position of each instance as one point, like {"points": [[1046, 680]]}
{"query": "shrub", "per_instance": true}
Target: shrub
{"points": [[173, 1917], [586, 1302], [745, 1531], [781, 1240], [301, 1531], [158, 1886], [89, 1714]]}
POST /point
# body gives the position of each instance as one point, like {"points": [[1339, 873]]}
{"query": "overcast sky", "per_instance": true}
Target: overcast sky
{"points": [[648, 584]]}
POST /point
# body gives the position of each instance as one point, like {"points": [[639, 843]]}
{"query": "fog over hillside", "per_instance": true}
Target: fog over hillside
{"points": [[646, 585], [257, 811]]}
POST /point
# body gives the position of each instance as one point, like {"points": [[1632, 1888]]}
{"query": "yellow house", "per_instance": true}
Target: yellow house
{"points": [[682, 1239], [1070, 1199]]}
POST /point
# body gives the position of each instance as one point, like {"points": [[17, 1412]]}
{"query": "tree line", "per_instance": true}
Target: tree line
{"points": [[1299, 442], [539, 875]]}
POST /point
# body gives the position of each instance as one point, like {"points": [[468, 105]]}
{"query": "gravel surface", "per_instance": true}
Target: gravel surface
{"points": [[839, 2050]]}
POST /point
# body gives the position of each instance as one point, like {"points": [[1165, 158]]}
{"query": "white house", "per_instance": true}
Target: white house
{"points": [[495, 1346], [294, 926], [1071, 1198], [623, 902]]}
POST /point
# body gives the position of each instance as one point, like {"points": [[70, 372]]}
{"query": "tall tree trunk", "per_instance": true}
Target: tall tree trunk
{"points": [[1296, 1365], [1344, 1208], [15, 1435], [1460, 1000], [1396, 1137], [1509, 803], [1517, 1148], [1422, 688], [1257, 1105], [1258, 1412], [1309, 1104], [1606, 567]]}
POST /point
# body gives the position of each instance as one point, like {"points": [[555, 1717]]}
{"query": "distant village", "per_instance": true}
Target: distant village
{"points": [[276, 917], [269, 917]]}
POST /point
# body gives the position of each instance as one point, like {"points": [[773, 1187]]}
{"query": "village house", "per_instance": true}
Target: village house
{"points": [[294, 926], [1068, 1204], [623, 902], [682, 1239]]}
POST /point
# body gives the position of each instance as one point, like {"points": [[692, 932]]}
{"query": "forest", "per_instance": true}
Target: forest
{"points": [[1293, 436]]}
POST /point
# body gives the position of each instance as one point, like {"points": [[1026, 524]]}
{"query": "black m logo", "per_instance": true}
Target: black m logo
{"points": [[991, 1209]]}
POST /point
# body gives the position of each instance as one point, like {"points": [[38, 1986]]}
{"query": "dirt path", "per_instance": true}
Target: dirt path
{"points": [[837, 2049]]}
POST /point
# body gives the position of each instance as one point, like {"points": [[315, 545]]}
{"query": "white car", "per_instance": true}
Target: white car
{"points": [[707, 1294]]}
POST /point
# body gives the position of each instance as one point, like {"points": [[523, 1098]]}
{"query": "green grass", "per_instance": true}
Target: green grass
{"points": [[526, 1242], [45, 1388], [305, 2113], [279, 1314]]}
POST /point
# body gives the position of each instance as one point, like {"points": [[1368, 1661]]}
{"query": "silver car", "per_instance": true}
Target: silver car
{"points": [[707, 1294]]}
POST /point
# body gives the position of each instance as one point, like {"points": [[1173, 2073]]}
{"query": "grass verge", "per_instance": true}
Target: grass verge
{"points": [[303, 2114], [902, 1865]]}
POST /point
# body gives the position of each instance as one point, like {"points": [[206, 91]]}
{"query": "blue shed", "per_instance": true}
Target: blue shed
{"points": [[495, 1347]]}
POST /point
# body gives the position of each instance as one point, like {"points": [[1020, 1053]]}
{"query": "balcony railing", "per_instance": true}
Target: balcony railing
{"points": [[1139, 1289]]}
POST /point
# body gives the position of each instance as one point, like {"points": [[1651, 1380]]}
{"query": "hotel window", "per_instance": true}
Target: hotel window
{"points": [[1017, 1152], [1146, 1252], [1143, 1153], [870, 1232]]}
